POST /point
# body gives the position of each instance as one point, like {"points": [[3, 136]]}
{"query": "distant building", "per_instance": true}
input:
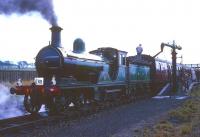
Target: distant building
{"points": [[9, 65]]}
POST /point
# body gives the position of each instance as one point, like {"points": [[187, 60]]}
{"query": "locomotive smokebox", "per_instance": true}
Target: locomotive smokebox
{"points": [[56, 36]]}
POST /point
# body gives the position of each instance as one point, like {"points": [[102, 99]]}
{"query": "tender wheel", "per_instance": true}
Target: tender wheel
{"points": [[68, 101], [31, 104], [55, 105], [78, 100]]}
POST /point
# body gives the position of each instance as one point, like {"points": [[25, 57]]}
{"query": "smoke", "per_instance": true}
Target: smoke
{"points": [[44, 7], [10, 105]]}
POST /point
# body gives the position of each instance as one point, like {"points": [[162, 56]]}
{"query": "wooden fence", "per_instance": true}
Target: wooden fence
{"points": [[12, 75]]}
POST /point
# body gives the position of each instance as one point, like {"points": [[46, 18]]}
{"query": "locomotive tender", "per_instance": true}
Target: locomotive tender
{"points": [[80, 78]]}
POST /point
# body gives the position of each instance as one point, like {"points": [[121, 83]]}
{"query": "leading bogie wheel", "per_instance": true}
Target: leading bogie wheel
{"points": [[31, 104]]}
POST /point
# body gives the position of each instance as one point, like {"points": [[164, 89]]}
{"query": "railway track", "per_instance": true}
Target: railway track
{"points": [[24, 124], [17, 124]]}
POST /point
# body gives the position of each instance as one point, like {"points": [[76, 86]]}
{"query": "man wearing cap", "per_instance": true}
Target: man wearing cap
{"points": [[139, 49]]}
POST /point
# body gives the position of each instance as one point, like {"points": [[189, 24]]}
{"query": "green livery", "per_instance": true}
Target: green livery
{"points": [[138, 72]]}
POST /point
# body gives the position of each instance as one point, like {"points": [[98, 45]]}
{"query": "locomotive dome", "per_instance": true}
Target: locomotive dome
{"points": [[78, 46]]}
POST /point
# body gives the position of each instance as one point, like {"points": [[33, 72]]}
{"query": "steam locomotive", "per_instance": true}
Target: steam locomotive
{"points": [[80, 78]]}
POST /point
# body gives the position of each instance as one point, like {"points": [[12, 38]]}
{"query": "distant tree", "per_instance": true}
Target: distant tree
{"points": [[7, 62], [23, 64], [1, 63], [31, 65]]}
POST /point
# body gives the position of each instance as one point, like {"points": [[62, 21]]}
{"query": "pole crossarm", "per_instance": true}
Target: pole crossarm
{"points": [[173, 46]]}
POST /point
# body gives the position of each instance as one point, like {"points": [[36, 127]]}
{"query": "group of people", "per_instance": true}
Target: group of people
{"points": [[184, 80]]}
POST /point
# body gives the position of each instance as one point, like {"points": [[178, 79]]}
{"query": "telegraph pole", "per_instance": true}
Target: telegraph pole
{"points": [[174, 76]]}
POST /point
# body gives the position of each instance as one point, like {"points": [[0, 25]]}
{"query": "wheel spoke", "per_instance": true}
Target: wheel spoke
{"points": [[30, 106]]}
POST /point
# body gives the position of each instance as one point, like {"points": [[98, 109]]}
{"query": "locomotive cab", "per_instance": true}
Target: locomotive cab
{"points": [[115, 58]]}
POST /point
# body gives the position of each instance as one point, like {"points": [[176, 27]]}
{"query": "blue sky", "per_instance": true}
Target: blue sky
{"points": [[121, 24]]}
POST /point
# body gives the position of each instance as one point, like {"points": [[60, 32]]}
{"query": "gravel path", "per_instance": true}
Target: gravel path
{"points": [[117, 121]]}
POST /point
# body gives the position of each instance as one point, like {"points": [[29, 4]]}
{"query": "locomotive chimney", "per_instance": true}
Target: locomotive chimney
{"points": [[55, 36]]}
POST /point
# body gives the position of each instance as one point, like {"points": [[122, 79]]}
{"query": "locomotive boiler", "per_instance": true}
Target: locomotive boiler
{"points": [[54, 60]]}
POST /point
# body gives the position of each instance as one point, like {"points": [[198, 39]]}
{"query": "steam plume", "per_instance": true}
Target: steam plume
{"points": [[10, 105], [44, 7]]}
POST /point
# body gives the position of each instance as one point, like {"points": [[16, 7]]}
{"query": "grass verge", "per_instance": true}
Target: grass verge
{"points": [[181, 122]]}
